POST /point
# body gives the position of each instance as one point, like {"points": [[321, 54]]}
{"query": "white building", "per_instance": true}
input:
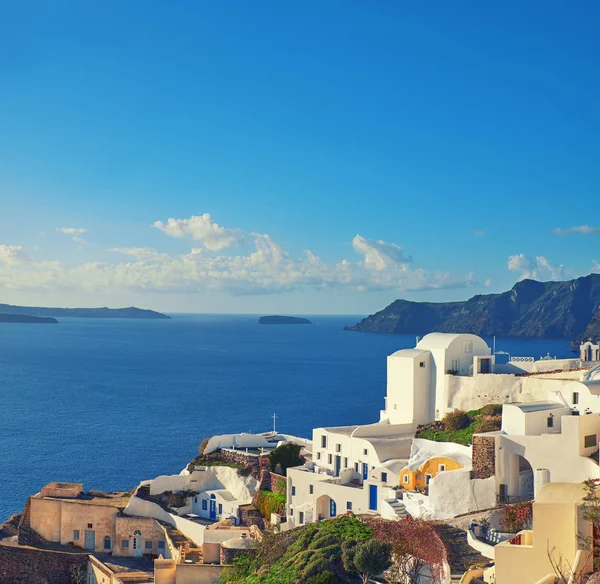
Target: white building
{"points": [[589, 351], [543, 442], [416, 378]]}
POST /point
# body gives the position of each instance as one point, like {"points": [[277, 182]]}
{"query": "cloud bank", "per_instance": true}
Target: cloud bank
{"points": [[259, 265], [581, 229]]}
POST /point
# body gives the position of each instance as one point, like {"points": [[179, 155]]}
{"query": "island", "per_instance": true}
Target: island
{"points": [[104, 312], [24, 318], [569, 309], [275, 319]]}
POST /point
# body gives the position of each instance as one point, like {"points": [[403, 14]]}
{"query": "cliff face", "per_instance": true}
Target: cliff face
{"points": [[530, 309]]}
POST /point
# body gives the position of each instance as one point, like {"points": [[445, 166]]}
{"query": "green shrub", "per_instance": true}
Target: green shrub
{"points": [[286, 455], [457, 420], [325, 577], [492, 410], [267, 502]]}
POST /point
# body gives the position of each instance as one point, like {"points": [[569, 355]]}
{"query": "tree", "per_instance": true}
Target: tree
{"points": [[417, 550], [368, 558]]}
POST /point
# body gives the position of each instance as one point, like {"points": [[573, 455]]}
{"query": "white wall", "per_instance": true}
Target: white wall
{"points": [[238, 441], [517, 422], [212, 478]]}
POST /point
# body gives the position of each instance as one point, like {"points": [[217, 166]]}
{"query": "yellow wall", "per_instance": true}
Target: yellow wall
{"points": [[431, 467]]}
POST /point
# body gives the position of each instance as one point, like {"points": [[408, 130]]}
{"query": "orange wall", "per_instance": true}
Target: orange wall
{"points": [[431, 466]]}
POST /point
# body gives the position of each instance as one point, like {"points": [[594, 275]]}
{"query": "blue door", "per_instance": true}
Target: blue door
{"points": [[365, 471], [373, 497], [213, 508], [332, 508], [89, 542]]}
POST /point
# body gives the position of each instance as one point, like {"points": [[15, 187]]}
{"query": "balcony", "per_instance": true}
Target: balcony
{"points": [[523, 538]]}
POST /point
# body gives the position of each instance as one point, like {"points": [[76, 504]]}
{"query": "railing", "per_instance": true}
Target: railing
{"points": [[521, 360], [507, 499]]}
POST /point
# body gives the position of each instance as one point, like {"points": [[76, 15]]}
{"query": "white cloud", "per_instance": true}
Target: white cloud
{"points": [[582, 229], [203, 229], [379, 255], [12, 254], [538, 268], [265, 268], [141, 253], [76, 233], [488, 283], [595, 267]]}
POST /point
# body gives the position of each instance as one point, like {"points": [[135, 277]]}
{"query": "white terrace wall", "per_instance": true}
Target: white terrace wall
{"points": [[238, 441], [470, 393], [142, 508], [210, 479]]}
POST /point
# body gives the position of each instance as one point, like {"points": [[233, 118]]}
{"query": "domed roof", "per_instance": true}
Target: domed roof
{"points": [[444, 340]]}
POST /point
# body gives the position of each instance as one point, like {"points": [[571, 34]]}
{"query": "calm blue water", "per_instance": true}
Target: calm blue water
{"points": [[112, 402]]}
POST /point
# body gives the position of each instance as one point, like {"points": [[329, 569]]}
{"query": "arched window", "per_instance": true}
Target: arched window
{"points": [[332, 508], [107, 543], [137, 532], [212, 497]]}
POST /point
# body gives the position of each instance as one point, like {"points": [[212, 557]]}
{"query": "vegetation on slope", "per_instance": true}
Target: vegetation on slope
{"points": [[342, 550], [460, 426]]}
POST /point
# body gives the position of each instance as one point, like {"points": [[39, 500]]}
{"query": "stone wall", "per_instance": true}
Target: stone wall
{"points": [[249, 515], [278, 484], [29, 566], [229, 554], [484, 457], [253, 462]]}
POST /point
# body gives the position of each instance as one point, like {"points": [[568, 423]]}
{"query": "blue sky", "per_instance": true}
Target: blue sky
{"points": [[314, 157]]}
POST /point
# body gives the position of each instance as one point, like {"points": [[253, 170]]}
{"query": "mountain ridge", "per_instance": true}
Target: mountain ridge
{"points": [[565, 309], [102, 312]]}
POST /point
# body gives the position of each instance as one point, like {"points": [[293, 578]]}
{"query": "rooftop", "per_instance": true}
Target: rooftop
{"points": [[119, 499], [528, 408]]}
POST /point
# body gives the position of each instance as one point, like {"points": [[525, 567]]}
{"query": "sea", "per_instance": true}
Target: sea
{"points": [[112, 402]]}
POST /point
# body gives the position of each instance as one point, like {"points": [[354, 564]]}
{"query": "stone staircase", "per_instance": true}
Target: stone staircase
{"points": [[461, 556], [398, 507], [28, 536]]}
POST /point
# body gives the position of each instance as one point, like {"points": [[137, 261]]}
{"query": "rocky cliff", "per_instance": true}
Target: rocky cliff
{"points": [[530, 309]]}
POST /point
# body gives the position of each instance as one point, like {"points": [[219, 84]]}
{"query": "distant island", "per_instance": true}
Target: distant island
{"points": [[568, 309], [24, 318], [36, 311], [283, 320]]}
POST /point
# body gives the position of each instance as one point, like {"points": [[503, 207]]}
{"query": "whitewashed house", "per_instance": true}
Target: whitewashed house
{"points": [[417, 378], [543, 442]]}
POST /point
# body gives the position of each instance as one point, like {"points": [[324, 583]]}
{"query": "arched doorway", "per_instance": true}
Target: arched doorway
{"points": [[213, 507], [326, 507], [521, 478]]}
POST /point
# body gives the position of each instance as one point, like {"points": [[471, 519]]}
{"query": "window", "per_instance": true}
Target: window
{"points": [[148, 545], [137, 532], [590, 441], [220, 508], [349, 505], [345, 462], [365, 451], [405, 479], [575, 398], [75, 534], [356, 466], [550, 421], [318, 456], [301, 517], [125, 544], [323, 441], [204, 504], [107, 543], [293, 491], [468, 347], [310, 489], [441, 467], [160, 545], [384, 477], [338, 447], [330, 458], [89, 526], [422, 364], [195, 499]]}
